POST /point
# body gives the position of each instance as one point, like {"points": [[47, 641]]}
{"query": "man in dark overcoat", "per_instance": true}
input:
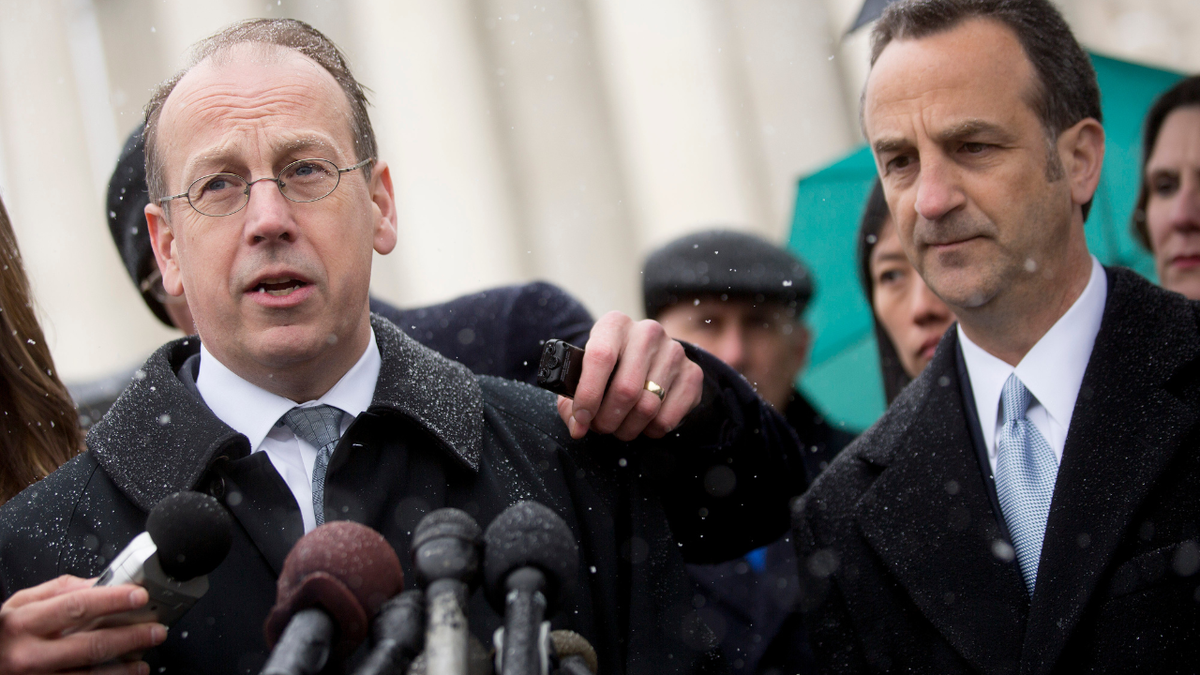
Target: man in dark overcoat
{"points": [[267, 201], [1031, 502]]}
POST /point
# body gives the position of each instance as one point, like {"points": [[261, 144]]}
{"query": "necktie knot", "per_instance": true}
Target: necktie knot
{"points": [[1015, 399], [320, 425]]}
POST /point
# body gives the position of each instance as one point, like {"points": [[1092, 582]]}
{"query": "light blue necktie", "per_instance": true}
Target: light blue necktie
{"points": [[1025, 475], [320, 426]]}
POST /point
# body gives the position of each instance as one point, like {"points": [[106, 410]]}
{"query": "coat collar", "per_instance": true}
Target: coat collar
{"points": [[160, 437], [928, 517]]}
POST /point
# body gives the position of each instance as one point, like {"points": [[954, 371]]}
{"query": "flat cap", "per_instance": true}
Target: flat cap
{"points": [[724, 262]]}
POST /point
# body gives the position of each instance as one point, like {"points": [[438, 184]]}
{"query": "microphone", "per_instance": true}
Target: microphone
{"points": [[334, 579], [187, 535], [530, 559], [575, 655], [446, 556], [399, 634]]}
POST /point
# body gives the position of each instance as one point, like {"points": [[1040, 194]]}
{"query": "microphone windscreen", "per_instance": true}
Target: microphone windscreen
{"points": [[192, 533], [344, 568], [527, 534], [569, 643], [445, 523]]}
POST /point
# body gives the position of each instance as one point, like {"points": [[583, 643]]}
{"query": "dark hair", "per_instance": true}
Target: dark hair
{"points": [[286, 33], [39, 429], [1184, 94], [1065, 90], [874, 216]]}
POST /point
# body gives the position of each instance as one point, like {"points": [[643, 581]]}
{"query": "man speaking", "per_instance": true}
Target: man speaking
{"points": [[298, 407]]}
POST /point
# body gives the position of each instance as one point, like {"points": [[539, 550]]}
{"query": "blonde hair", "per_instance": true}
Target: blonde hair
{"points": [[39, 428]]}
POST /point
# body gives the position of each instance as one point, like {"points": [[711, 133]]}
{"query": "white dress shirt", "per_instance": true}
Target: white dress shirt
{"points": [[256, 412], [1052, 370]]}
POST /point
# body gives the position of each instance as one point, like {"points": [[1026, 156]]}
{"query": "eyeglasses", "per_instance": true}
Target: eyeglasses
{"points": [[302, 181]]}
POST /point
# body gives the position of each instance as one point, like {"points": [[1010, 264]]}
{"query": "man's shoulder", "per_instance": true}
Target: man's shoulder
{"points": [[509, 402]]}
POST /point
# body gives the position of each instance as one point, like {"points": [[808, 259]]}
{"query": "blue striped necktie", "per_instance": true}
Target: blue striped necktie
{"points": [[1025, 475], [320, 426]]}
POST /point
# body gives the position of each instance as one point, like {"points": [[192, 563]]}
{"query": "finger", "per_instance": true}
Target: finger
{"points": [[576, 429], [48, 589], [604, 348], [94, 647], [641, 348], [77, 608], [132, 668], [683, 396], [664, 371]]}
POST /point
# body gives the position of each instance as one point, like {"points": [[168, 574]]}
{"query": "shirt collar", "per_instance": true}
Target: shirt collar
{"points": [[1052, 370], [253, 411]]}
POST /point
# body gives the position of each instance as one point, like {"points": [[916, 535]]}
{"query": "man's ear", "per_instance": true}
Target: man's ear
{"points": [[1082, 151], [162, 241], [384, 199]]}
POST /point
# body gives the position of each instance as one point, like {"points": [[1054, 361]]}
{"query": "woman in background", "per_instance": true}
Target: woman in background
{"points": [[39, 429], [909, 319], [1167, 217]]}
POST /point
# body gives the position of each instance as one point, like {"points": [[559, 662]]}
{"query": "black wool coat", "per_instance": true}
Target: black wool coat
{"points": [[755, 614], [435, 435], [906, 566]]}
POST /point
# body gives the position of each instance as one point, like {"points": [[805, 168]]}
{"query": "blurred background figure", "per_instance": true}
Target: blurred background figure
{"points": [[38, 431], [909, 318], [498, 331], [742, 299], [1167, 216]]}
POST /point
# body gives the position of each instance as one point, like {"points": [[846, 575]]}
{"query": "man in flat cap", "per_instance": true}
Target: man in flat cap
{"points": [[742, 299]]}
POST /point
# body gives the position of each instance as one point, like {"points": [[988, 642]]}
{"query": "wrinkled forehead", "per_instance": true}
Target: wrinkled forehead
{"points": [[977, 68], [252, 96]]}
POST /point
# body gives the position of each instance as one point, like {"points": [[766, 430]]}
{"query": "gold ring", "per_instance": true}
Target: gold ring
{"points": [[655, 389]]}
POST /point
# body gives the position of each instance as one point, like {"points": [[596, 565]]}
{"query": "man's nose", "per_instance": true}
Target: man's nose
{"points": [[269, 213], [938, 190], [731, 348]]}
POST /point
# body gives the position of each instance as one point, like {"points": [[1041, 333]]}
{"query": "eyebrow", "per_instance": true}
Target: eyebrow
{"points": [[962, 130], [226, 155], [888, 257]]}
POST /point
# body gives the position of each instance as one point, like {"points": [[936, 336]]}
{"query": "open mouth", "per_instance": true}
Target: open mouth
{"points": [[279, 287]]}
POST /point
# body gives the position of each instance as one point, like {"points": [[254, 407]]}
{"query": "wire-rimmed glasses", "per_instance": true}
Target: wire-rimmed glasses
{"points": [[304, 180]]}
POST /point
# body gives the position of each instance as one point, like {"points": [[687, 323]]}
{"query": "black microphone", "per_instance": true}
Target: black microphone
{"points": [[445, 552], [399, 634], [530, 559], [573, 653], [333, 580], [187, 535]]}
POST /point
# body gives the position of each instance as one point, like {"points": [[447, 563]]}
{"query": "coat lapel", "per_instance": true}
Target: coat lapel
{"points": [[929, 519], [1127, 425]]}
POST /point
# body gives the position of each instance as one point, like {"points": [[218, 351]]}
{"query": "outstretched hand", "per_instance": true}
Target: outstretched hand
{"points": [[625, 405], [45, 629]]}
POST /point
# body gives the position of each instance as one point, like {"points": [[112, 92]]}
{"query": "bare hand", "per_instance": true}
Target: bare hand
{"points": [[44, 629], [641, 352]]}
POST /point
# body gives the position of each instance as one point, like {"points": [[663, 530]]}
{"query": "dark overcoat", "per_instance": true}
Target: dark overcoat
{"points": [[906, 567], [754, 613], [435, 435]]}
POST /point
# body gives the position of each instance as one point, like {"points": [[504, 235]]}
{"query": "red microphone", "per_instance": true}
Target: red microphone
{"points": [[333, 583]]}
